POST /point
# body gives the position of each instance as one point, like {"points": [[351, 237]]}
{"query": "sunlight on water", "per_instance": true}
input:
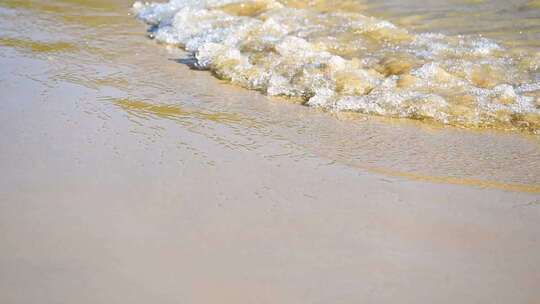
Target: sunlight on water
{"points": [[58, 6], [335, 58], [82, 12], [36, 46], [458, 181], [175, 112], [534, 4]]}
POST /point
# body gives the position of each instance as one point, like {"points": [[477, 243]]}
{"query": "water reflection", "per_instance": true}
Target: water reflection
{"points": [[37, 46], [148, 110]]}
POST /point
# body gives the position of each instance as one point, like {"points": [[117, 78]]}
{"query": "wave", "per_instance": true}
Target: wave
{"points": [[345, 61]]}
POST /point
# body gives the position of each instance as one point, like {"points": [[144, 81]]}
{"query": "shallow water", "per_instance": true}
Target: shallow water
{"points": [[100, 51], [128, 177], [334, 55]]}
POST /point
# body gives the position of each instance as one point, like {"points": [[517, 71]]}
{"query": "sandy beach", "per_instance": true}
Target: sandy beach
{"points": [[130, 178]]}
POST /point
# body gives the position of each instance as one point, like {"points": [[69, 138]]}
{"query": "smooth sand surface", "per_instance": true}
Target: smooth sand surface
{"points": [[225, 196], [91, 211]]}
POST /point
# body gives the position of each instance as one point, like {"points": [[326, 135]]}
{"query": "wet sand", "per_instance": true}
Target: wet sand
{"points": [[129, 178]]}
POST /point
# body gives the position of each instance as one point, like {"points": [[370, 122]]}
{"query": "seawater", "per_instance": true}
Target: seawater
{"points": [[87, 63], [332, 55]]}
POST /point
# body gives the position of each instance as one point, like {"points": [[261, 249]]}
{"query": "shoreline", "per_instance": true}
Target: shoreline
{"points": [[129, 178]]}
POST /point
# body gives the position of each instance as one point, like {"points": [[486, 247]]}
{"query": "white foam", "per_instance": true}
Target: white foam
{"points": [[350, 62]]}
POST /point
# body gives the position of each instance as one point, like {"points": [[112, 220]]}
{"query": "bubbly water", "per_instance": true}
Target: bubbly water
{"points": [[334, 57]]}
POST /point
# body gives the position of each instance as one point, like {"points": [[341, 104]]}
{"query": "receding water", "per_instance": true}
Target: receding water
{"points": [[411, 60]]}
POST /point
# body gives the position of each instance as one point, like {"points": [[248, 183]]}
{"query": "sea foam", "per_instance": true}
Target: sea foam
{"points": [[346, 61]]}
